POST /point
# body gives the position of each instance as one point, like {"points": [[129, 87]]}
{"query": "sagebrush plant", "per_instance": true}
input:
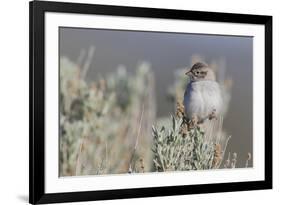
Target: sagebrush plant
{"points": [[178, 150], [99, 121]]}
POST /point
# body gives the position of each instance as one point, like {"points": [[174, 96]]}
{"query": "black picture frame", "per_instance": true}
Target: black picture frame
{"points": [[37, 9]]}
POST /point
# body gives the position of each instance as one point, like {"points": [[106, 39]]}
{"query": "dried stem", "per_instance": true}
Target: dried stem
{"points": [[234, 160], [227, 162], [136, 143], [100, 167], [88, 62], [223, 153], [78, 161], [248, 159], [81, 57]]}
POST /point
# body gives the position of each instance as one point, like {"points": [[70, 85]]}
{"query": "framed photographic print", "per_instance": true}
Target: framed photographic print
{"points": [[140, 102]]}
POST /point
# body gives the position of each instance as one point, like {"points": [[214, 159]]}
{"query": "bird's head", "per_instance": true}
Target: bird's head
{"points": [[200, 71]]}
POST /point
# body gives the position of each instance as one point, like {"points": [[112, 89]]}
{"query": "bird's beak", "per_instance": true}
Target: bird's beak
{"points": [[188, 72]]}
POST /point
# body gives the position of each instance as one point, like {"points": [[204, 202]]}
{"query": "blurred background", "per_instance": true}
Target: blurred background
{"points": [[147, 67]]}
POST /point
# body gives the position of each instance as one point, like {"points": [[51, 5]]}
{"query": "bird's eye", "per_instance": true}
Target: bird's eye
{"points": [[197, 72]]}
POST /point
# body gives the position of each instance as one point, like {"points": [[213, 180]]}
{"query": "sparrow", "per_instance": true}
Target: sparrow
{"points": [[203, 95]]}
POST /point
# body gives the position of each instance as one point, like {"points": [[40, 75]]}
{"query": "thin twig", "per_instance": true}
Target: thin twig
{"points": [[100, 167], [226, 143], [78, 161], [88, 62], [81, 57], [106, 155], [136, 143], [227, 162], [234, 160], [248, 159], [219, 133]]}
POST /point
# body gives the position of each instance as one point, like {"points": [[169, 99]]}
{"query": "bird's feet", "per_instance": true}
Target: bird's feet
{"points": [[193, 122], [212, 115]]}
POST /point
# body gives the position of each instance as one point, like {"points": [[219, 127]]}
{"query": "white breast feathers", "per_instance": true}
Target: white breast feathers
{"points": [[203, 97]]}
